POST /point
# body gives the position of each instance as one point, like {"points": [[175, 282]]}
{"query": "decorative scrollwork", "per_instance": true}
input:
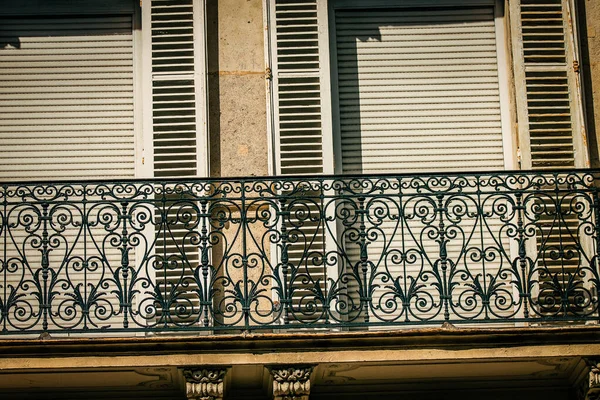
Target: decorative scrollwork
{"points": [[289, 252]]}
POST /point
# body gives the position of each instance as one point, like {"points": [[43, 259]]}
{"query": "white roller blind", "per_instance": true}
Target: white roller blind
{"points": [[418, 90], [66, 97]]}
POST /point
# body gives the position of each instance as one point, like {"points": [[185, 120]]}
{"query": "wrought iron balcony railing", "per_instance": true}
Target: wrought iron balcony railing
{"points": [[294, 253]]}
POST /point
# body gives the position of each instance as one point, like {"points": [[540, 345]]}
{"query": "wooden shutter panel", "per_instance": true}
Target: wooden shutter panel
{"points": [[66, 97], [301, 147], [176, 117], [178, 129], [303, 138], [551, 133]]}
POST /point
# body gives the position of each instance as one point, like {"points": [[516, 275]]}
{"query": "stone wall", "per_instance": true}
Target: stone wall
{"points": [[589, 28], [237, 88]]}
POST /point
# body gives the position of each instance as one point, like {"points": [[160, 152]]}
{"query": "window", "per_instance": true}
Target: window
{"points": [[101, 89], [400, 86], [429, 79]]}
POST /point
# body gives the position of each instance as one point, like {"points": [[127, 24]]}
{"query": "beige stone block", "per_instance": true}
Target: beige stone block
{"points": [[241, 35], [238, 125]]}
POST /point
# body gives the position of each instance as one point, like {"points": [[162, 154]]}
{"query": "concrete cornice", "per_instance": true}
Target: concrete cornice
{"points": [[257, 343]]}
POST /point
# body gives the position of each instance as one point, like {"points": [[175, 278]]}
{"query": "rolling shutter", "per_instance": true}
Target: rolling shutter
{"points": [[66, 97], [66, 113], [418, 90]]}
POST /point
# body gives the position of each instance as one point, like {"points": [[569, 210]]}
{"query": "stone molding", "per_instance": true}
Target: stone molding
{"points": [[589, 387], [204, 383], [291, 382]]}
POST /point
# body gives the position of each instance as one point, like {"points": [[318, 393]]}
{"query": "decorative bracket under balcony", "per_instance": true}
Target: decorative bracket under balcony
{"points": [[291, 382], [204, 383]]}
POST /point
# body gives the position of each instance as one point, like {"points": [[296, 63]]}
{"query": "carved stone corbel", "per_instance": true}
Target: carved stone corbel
{"points": [[204, 383], [590, 385], [291, 382]]}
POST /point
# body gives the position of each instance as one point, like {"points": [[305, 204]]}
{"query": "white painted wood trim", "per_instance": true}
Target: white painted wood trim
{"points": [[276, 140], [201, 92], [269, 99], [510, 159], [523, 139], [326, 94], [147, 143], [580, 140]]}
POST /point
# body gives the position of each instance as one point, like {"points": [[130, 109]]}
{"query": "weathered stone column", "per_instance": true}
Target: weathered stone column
{"points": [[204, 383], [590, 385], [291, 382]]}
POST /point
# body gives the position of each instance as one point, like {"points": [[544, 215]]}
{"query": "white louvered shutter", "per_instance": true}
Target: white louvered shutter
{"points": [[177, 88], [178, 140], [551, 131], [298, 89], [418, 91], [66, 97], [302, 136]]}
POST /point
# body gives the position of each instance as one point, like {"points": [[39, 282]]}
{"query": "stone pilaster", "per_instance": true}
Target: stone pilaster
{"points": [[291, 382], [204, 383]]}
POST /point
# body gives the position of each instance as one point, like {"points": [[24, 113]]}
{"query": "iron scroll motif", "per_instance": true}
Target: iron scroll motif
{"points": [[299, 252]]}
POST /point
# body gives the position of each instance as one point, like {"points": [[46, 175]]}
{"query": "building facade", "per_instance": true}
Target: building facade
{"points": [[298, 199]]}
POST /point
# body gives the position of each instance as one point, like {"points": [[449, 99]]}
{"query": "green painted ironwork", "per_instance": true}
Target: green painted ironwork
{"points": [[286, 253]]}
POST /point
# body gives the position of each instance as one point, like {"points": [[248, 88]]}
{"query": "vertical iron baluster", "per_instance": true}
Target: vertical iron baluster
{"points": [[84, 226], [364, 256], [443, 259], [322, 224], [596, 263], [125, 303], [4, 231], [286, 298], [243, 223], [44, 218], [524, 289], [204, 260]]}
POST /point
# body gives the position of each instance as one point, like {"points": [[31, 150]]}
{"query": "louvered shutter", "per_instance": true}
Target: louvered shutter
{"points": [[419, 91], [303, 139], [177, 87], [178, 129], [551, 132], [66, 97]]}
